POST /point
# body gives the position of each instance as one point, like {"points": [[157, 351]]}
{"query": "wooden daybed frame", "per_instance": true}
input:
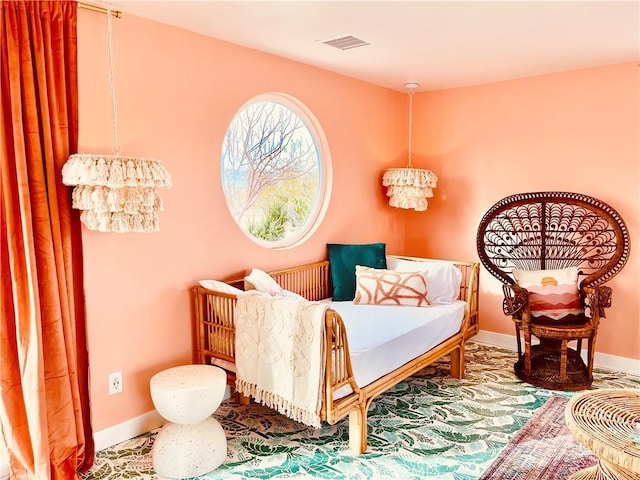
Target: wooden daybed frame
{"points": [[215, 340]]}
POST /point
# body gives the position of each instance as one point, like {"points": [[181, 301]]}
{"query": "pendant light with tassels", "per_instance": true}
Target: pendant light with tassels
{"points": [[116, 193], [409, 187]]}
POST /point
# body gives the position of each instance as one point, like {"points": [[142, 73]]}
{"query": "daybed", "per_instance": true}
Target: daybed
{"points": [[213, 314]]}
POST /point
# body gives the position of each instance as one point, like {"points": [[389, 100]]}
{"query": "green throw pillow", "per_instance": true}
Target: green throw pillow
{"points": [[343, 260]]}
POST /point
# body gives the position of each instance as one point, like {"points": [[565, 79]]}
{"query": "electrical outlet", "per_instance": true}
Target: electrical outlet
{"points": [[115, 383]]}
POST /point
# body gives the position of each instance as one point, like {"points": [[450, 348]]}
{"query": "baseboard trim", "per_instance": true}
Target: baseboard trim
{"points": [[601, 360], [131, 428], [126, 430], [496, 339]]}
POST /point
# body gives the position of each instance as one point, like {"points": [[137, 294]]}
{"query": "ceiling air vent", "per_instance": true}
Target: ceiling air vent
{"points": [[345, 43]]}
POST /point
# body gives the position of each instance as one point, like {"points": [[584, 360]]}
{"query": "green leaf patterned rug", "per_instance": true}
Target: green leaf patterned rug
{"points": [[429, 426]]}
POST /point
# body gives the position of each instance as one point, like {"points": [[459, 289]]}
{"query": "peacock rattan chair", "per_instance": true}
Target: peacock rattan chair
{"points": [[553, 231]]}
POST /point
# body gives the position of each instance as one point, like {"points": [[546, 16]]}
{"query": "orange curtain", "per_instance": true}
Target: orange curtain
{"points": [[44, 391]]}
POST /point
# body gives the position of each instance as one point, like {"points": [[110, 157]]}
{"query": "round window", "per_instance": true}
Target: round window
{"points": [[276, 170]]}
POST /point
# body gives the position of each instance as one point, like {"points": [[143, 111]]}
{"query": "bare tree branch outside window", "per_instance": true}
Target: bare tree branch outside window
{"points": [[270, 170]]}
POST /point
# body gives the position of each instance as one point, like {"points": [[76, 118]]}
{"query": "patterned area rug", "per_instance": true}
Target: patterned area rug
{"points": [[429, 426], [544, 449]]}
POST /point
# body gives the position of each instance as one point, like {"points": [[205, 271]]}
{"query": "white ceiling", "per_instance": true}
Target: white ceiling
{"points": [[437, 44]]}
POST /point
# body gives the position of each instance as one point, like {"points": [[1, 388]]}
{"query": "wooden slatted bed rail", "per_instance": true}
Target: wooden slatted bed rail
{"points": [[213, 316]]}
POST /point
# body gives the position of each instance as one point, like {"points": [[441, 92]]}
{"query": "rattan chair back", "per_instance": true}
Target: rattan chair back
{"points": [[553, 230]]}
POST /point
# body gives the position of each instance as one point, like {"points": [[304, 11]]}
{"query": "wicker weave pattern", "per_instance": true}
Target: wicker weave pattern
{"points": [[603, 421], [552, 230], [547, 231]]}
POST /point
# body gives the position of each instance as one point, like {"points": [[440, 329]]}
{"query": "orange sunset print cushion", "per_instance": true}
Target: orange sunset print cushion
{"points": [[553, 294]]}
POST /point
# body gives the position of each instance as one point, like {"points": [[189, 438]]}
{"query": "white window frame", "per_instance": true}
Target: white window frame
{"points": [[325, 171]]}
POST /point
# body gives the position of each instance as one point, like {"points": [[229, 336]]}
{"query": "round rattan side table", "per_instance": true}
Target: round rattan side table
{"points": [[603, 421]]}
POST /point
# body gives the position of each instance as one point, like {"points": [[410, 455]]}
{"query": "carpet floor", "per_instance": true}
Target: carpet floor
{"points": [[544, 449], [429, 426]]}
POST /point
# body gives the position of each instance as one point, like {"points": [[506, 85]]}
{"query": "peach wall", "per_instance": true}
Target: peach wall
{"points": [[576, 131], [177, 92]]}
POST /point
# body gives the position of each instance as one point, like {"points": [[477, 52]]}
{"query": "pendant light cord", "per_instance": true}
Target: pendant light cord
{"points": [[410, 123], [114, 107]]}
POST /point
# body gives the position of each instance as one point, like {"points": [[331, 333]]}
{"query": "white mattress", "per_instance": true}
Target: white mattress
{"points": [[384, 337]]}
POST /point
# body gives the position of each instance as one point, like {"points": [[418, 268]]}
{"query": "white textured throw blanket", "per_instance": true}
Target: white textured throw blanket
{"points": [[279, 353]]}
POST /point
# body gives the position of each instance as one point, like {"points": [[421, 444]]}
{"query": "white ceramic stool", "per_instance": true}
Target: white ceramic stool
{"points": [[192, 442]]}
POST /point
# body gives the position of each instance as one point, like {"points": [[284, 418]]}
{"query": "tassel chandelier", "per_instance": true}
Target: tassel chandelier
{"points": [[409, 187], [116, 193]]}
